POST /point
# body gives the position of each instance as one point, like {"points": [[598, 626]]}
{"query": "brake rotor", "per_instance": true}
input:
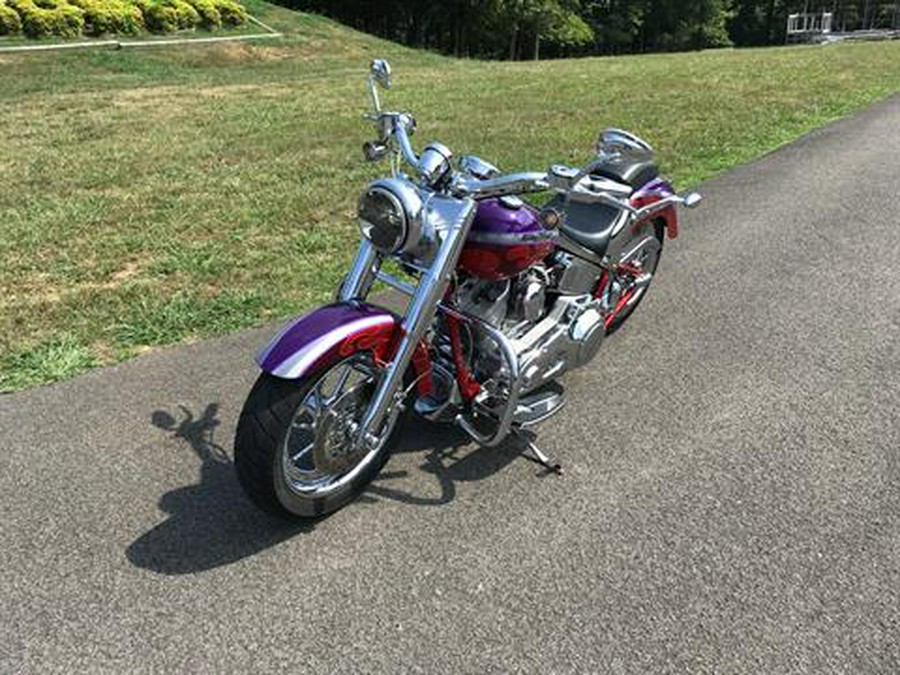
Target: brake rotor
{"points": [[333, 450]]}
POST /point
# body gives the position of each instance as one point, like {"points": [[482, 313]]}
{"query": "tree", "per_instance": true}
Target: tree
{"points": [[554, 21], [616, 24], [686, 24], [520, 29]]}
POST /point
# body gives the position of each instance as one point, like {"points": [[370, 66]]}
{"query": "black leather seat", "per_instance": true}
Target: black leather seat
{"points": [[588, 225], [628, 169]]}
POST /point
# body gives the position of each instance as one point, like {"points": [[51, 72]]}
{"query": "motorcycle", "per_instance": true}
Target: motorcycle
{"points": [[504, 298]]}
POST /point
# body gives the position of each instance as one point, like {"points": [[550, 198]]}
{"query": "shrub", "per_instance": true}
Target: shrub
{"points": [[110, 16], [232, 13], [165, 16], [209, 15], [129, 20], [10, 23], [49, 17], [70, 18], [187, 16], [161, 18]]}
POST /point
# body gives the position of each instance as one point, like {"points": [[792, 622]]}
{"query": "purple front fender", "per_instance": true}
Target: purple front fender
{"points": [[327, 335]]}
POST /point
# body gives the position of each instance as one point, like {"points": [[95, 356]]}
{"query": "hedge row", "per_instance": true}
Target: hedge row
{"points": [[71, 18], [10, 23]]}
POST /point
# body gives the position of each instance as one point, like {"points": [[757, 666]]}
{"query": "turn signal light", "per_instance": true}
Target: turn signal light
{"points": [[551, 218]]}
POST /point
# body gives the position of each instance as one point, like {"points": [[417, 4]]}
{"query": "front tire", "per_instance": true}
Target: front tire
{"points": [[291, 451]]}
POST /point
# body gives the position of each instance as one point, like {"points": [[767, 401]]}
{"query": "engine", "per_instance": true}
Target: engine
{"points": [[507, 303], [548, 313]]}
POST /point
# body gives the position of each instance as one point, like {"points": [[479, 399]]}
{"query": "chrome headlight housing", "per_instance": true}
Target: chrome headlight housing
{"points": [[390, 215]]}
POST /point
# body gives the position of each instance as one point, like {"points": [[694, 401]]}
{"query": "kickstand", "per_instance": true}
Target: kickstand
{"points": [[536, 455]]}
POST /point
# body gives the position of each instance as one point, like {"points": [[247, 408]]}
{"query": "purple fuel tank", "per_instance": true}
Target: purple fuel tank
{"points": [[506, 238]]}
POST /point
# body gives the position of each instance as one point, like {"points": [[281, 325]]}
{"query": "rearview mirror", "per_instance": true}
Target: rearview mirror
{"points": [[381, 73], [619, 141]]}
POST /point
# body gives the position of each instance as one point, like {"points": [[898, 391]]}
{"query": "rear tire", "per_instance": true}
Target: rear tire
{"points": [[269, 415], [622, 316]]}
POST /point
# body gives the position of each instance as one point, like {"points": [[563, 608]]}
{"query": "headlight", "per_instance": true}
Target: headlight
{"points": [[382, 219], [390, 215]]}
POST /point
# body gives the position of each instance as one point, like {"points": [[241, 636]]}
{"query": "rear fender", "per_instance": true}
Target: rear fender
{"points": [[651, 193], [333, 332]]}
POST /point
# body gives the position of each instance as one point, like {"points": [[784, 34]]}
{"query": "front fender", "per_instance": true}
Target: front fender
{"points": [[333, 332]]}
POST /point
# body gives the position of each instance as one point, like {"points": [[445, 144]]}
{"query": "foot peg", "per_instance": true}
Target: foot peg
{"points": [[430, 407], [538, 406], [536, 455]]}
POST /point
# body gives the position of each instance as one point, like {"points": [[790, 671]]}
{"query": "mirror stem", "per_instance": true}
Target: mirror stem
{"points": [[373, 93]]}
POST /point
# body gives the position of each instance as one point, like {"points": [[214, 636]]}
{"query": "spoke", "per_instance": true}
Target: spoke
{"points": [[339, 390], [298, 455], [633, 297], [314, 403], [339, 386], [319, 391], [632, 267]]}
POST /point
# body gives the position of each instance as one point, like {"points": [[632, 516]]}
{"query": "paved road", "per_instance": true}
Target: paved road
{"points": [[731, 502]]}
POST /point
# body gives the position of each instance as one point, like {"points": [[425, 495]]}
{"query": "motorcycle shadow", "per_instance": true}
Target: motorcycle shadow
{"points": [[449, 456], [212, 523]]}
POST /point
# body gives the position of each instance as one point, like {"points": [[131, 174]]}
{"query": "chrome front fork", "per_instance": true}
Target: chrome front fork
{"points": [[358, 282], [420, 313]]}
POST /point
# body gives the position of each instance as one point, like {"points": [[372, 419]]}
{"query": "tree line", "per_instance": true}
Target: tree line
{"points": [[532, 29]]}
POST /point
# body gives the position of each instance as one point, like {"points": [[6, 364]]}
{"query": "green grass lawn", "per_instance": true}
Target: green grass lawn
{"points": [[155, 196]]}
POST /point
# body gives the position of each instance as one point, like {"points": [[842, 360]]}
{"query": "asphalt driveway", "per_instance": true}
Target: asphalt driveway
{"points": [[730, 504]]}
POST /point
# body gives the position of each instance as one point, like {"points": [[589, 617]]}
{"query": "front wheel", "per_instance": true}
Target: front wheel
{"points": [[293, 451]]}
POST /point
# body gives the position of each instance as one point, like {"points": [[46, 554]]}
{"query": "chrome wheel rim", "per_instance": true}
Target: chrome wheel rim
{"points": [[318, 457], [631, 276]]}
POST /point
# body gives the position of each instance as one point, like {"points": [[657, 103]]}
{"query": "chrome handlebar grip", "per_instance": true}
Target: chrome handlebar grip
{"points": [[510, 184]]}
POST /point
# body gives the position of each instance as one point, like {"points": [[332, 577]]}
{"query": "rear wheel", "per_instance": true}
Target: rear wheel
{"points": [[294, 453], [630, 278]]}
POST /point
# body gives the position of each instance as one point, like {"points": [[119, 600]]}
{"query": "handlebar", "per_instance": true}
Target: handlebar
{"points": [[510, 184], [576, 183], [401, 122]]}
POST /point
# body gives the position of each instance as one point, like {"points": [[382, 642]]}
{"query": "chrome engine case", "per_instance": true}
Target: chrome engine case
{"points": [[488, 300], [549, 337], [568, 337]]}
